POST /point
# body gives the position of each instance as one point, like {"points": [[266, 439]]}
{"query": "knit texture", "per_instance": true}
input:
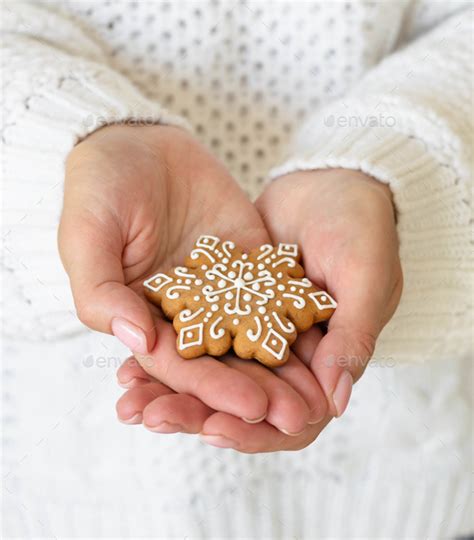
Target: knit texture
{"points": [[382, 87]]}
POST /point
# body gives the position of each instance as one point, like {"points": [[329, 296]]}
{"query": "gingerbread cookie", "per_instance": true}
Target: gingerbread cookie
{"points": [[255, 302]]}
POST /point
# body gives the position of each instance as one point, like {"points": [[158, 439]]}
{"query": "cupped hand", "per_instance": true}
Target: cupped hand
{"points": [[345, 224], [136, 199]]}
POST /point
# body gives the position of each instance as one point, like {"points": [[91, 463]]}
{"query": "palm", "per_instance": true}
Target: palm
{"points": [[174, 203]]}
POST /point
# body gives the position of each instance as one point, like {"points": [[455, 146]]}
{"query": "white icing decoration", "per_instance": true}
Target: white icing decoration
{"points": [[220, 332], [187, 315], [270, 344], [173, 295], [255, 336], [323, 300], [235, 322], [303, 282], [238, 287], [226, 246], [291, 262], [195, 255], [207, 241], [266, 249], [288, 249], [290, 328], [182, 271], [156, 282], [186, 336], [298, 302]]}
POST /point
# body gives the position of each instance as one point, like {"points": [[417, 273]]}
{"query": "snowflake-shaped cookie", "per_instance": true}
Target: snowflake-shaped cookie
{"points": [[256, 302]]}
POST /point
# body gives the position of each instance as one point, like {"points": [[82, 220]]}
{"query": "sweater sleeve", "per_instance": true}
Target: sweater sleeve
{"points": [[408, 124], [57, 89]]}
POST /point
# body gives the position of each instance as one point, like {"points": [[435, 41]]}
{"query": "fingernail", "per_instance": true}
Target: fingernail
{"points": [[290, 433], [317, 416], [135, 419], [254, 421], [342, 392], [134, 381], [130, 335], [166, 427], [218, 440]]}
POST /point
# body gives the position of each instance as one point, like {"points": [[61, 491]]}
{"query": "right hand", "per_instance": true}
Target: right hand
{"points": [[136, 199]]}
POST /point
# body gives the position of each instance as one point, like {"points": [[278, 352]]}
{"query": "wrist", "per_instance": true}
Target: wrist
{"points": [[344, 180]]}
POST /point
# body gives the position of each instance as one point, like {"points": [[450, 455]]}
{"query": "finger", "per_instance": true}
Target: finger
{"points": [[303, 381], [91, 250], [131, 374], [210, 380], [306, 344], [343, 353], [131, 405], [287, 410], [174, 413], [226, 431]]}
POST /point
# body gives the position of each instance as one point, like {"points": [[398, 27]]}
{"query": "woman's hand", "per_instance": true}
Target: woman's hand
{"points": [[136, 199], [344, 222]]}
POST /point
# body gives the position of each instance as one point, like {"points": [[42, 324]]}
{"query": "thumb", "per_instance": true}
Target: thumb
{"points": [[91, 252]]}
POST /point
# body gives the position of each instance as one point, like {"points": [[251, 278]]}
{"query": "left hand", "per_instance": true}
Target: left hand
{"points": [[344, 222]]}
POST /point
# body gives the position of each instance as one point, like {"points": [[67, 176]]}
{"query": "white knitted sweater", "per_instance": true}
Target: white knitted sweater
{"points": [[384, 87]]}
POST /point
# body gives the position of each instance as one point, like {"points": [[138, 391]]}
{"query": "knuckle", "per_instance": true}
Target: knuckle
{"points": [[365, 344], [86, 313]]}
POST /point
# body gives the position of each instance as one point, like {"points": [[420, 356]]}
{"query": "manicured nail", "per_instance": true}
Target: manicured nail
{"points": [[135, 419], [316, 417], [290, 433], [218, 440], [166, 427], [134, 381], [342, 392], [254, 421], [130, 335]]}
